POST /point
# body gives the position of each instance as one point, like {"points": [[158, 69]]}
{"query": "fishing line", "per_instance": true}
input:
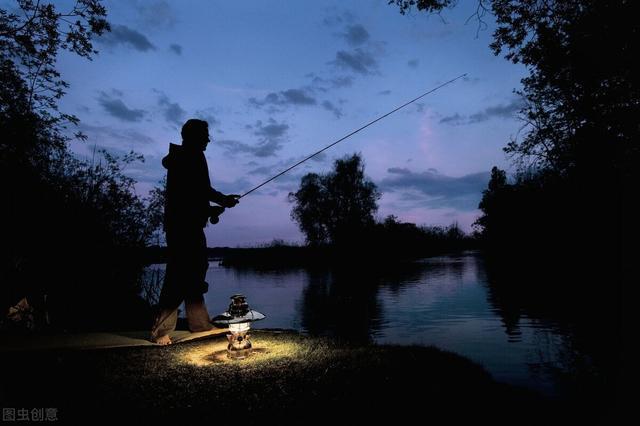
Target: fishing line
{"points": [[351, 134]]}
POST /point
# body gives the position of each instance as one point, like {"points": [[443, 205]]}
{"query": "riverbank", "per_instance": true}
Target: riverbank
{"points": [[291, 256], [406, 243], [278, 255], [289, 379]]}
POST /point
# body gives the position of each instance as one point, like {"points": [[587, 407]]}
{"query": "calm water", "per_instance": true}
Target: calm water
{"points": [[442, 301]]}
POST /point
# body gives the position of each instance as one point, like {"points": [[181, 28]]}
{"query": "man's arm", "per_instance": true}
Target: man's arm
{"points": [[216, 196], [222, 199]]}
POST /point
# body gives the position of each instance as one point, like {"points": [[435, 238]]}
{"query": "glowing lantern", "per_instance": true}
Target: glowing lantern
{"points": [[238, 318]]}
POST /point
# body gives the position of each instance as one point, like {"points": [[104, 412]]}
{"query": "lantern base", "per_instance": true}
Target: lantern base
{"points": [[239, 354], [239, 345]]}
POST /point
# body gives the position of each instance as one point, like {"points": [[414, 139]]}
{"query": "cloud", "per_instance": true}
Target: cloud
{"points": [[262, 170], [116, 108], [342, 81], [233, 147], [207, 115], [498, 111], [156, 14], [265, 148], [413, 63], [324, 85], [114, 136], [358, 60], [172, 111], [356, 35], [435, 190], [454, 119], [237, 186], [285, 97], [176, 48], [280, 166], [121, 34], [361, 59], [288, 181], [271, 130], [297, 97], [502, 111], [331, 107], [336, 19], [270, 138]]}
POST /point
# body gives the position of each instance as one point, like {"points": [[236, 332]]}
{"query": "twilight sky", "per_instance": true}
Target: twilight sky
{"points": [[279, 80]]}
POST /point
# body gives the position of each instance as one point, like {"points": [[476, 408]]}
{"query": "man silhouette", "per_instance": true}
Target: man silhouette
{"points": [[187, 210]]}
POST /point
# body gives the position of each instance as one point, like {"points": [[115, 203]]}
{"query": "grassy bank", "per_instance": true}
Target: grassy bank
{"points": [[289, 379]]}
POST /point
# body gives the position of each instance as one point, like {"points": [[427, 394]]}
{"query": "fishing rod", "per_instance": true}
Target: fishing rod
{"points": [[351, 134]]}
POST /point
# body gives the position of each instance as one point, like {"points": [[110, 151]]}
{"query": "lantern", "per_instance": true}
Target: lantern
{"points": [[238, 318]]}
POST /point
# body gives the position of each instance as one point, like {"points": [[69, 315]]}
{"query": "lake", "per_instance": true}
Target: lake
{"points": [[445, 301]]}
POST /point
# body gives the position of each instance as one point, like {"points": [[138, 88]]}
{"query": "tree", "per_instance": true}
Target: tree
{"points": [[492, 203], [33, 146], [30, 40], [426, 5], [63, 219], [582, 96], [37, 169], [576, 162], [156, 202], [336, 207]]}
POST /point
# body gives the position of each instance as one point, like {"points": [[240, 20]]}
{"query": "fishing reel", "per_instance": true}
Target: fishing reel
{"points": [[214, 214], [228, 201]]}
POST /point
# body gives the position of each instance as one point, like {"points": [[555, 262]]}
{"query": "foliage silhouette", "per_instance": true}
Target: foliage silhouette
{"points": [[64, 218], [577, 159], [336, 212], [565, 213], [389, 243], [337, 207]]}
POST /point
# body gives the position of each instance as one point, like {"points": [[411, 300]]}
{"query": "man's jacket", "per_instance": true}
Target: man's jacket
{"points": [[189, 189]]}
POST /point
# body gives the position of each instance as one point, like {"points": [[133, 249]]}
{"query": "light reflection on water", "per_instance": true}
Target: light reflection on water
{"points": [[442, 301]]}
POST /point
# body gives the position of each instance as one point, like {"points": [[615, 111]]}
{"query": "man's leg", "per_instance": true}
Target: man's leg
{"points": [[197, 314], [164, 324], [170, 299], [185, 279]]}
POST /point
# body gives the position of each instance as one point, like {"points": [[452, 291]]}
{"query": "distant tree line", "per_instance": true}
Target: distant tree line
{"points": [[337, 210]]}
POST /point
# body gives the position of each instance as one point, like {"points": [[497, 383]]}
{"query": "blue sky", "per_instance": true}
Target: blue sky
{"points": [[279, 80]]}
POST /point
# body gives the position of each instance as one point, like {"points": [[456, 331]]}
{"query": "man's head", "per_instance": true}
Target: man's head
{"points": [[195, 134]]}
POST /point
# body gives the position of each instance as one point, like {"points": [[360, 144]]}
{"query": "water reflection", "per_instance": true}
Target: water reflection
{"points": [[341, 303], [452, 302]]}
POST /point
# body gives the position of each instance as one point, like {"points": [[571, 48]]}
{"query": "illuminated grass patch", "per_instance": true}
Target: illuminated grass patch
{"points": [[266, 349]]}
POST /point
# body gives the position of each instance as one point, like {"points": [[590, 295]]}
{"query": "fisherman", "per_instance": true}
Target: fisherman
{"points": [[187, 210]]}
